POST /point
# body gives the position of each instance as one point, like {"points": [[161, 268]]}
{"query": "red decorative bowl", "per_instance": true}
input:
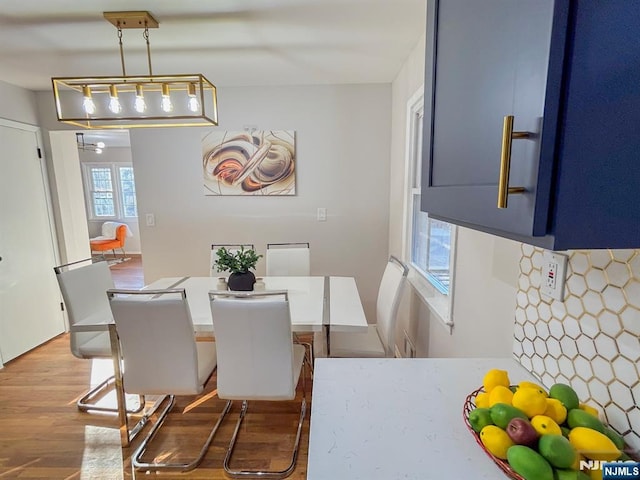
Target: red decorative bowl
{"points": [[469, 404]]}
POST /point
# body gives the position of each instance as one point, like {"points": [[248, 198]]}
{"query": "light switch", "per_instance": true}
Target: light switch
{"points": [[322, 214], [151, 220]]}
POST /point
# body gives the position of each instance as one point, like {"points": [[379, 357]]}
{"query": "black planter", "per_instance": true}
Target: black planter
{"points": [[242, 282]]}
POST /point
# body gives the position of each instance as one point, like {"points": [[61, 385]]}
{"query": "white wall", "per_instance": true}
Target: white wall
{"points": [[342, 149], [486, 268], [18, 104]]}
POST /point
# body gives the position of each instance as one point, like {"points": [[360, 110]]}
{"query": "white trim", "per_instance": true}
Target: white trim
{"points": [[440, 305], [117, 192], [20, 126], [414, 105]]}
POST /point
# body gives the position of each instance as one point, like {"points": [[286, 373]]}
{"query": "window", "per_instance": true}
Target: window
{"points": [[110, 191], [429, 242]]}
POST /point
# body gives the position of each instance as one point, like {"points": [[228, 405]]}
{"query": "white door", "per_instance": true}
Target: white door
{"points": [[30, 312]]}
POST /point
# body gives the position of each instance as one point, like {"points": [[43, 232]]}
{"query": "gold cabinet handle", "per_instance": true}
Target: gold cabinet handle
{"points": [[505, 161]]}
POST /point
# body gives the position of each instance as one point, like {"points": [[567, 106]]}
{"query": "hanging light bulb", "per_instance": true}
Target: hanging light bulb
{"points": [[87, 104], [139, 105], [194, 106], [166, 104], [114, 103]]}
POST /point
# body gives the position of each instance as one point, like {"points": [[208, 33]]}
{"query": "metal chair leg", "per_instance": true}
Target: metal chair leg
{"points": [[309, 353], [275, 474], [85, 404], [139, 464]]}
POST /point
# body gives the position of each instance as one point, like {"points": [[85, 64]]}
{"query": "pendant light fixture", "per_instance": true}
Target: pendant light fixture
{"points": [[127, 101], [97, 147]]}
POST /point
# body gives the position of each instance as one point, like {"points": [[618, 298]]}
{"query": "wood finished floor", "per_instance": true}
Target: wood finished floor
{"points": [[44, 436]]}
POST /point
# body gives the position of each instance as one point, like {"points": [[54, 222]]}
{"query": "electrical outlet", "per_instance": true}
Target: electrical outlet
{"points": [[151, 219], [322, 214], [554, 272]]}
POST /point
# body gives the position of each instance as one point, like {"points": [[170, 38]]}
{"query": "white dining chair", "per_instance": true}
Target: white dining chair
{"points": [[291, 260], [84, 286], [379, 339], [288, 260], [213, 272], [160, 356], [257, 360]]}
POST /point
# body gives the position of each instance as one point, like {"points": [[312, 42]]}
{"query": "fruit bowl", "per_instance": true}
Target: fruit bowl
{"points": [[469, 404]]}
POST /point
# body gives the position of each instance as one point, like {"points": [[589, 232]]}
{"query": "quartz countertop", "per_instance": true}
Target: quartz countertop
{"points": [[392, 419]]}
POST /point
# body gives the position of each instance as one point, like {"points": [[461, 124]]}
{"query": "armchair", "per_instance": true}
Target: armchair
{"points": [[102, 244]]}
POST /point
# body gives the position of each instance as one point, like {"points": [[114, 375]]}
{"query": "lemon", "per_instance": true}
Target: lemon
{"points": [[495, 377], [595, 474], [576, 463], [545, 425], [496, 441], [593, 444], [482, 400], [500, 394], [532, 385], [589, 409], [532, 401], [555, 410]]}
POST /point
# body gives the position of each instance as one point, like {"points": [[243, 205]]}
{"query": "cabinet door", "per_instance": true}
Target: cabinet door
{"points": [[484, 60]]}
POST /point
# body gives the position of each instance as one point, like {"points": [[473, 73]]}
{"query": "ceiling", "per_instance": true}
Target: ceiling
{"points": [[231, 42]]}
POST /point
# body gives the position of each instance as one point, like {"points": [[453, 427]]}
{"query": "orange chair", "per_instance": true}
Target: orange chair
{"points": [[105, 245]]}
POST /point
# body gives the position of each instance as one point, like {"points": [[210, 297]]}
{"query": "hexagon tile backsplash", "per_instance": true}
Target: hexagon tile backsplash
{"points": [[591, 340]]}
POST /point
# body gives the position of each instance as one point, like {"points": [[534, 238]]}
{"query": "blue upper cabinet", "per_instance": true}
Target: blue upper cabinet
{"points": [[536, 102]]}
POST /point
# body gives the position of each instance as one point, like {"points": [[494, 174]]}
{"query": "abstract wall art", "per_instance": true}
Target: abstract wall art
{"points": [[249, 163]]}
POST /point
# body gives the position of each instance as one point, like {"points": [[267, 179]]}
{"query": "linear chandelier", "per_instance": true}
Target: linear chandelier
{"points": [[97, 147], [181, 100]]}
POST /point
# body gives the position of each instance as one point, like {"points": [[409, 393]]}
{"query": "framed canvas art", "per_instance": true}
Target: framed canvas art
{"points": [[261, 162]]}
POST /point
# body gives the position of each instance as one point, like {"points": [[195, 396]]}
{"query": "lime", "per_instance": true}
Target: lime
{"points": [[480, 418]]}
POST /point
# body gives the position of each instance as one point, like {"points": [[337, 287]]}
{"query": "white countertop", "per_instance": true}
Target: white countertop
{"points": [[392, 419]]}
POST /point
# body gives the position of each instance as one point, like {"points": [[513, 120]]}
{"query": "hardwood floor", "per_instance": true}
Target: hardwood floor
{"points": [[44, 436], [128, 274]]}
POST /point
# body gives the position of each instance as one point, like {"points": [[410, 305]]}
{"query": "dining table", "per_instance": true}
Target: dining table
{"points": [[317, 303]]}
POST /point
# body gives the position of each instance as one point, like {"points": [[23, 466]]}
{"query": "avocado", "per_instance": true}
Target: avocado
{"points": [[580, 418], [624, 457], [529, 463], [567, 395], [614, 436], [502, 413], [560, 474], [557, 450]]}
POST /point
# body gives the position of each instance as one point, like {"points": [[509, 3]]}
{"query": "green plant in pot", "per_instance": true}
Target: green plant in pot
{"points": [[239, 263]]}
